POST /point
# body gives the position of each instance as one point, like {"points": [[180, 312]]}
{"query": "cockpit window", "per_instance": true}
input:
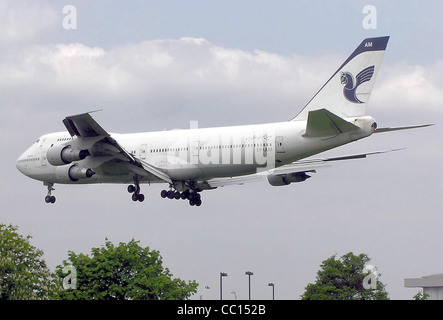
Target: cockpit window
{"points": [[38, 140]]}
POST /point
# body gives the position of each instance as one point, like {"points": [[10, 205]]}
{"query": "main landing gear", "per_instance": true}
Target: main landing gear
{"points": [[193, 196], [135, 190], [49, 198]]}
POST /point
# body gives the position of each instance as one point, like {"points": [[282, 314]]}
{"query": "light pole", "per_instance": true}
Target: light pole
{"points": [[222, 274], [249, 274], [272, 285]]}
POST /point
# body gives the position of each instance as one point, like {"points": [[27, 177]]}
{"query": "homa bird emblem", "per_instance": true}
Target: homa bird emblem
{"points": [[348, 80]]}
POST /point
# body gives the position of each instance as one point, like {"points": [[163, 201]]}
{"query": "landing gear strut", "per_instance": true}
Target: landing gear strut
{"points": [[49, 198], [135, 190]]}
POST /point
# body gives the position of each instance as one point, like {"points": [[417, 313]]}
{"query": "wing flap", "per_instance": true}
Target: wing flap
{"points": [[300, 166], [155, 171], [223, 182]]}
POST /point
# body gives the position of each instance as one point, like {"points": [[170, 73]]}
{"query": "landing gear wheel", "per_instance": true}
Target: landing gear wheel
{"points": [[49, 198], [138, 197], [190, 193], [135, 190], [195, 199]]}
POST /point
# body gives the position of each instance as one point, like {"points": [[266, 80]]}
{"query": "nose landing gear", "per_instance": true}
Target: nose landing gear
{"points": [[49, 198]]}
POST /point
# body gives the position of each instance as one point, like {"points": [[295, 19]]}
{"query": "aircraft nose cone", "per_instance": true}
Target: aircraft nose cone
{"points": [[20, 164]]}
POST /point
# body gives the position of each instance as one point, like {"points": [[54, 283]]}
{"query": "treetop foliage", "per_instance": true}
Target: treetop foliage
{"points": [[24, 275], [123, 272], [344, 279]]}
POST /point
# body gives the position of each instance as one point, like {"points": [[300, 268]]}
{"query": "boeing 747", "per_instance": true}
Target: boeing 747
{"points": [[197, 159]]}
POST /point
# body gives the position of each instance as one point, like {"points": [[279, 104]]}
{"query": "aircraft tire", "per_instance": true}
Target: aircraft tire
{"points": [[50, 199]]}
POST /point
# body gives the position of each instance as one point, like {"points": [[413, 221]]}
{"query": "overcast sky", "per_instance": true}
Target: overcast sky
{"points": [[155, 65]]}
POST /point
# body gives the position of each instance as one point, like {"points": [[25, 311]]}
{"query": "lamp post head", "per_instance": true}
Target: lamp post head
{"points": [[249, 273], [223, 274], [270, 284]]}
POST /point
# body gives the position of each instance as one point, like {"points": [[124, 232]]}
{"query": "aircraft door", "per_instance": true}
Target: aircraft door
{"points": [[279, 146], [143, 149]]}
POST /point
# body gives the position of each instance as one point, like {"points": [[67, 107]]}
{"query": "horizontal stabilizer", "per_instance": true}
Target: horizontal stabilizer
{"points": [[322, 123], [378, 130]]}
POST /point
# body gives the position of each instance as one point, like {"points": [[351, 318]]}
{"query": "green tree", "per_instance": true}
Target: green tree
{"points": [[123, 272], [421, 296], [23, 273], [344, 279]]}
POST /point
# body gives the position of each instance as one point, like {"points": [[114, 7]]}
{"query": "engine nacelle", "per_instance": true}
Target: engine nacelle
{"points": [[76, 173], [72, 173], [285, 179], [60, 155]]}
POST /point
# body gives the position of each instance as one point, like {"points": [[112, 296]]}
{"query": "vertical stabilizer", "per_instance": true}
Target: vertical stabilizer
{"points": [[347, 91]]}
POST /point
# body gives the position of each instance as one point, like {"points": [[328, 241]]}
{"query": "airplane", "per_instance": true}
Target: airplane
{"points": [[197, 159]]}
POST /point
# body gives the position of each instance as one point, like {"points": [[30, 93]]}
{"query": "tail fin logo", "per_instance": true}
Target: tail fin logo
{"points": [[348, 80]]}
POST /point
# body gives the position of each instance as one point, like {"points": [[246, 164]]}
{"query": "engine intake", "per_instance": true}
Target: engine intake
{"points": [[285, 179], [60, 155]]}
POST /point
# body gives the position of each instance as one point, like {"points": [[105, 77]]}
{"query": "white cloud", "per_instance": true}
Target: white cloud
{"points": [[410, 88], [24, 20], [154, 68], [195, 76]]}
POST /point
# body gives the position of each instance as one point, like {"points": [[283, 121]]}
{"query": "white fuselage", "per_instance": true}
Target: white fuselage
{"points": [[194, 154]]}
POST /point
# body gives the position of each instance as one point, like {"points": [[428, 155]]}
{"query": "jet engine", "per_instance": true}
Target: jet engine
{"points": [[60, 155], [66, 174], [285, 179]]}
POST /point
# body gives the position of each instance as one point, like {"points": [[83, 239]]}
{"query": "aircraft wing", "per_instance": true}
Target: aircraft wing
{"points": [[301, 166], [90, 135]]}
